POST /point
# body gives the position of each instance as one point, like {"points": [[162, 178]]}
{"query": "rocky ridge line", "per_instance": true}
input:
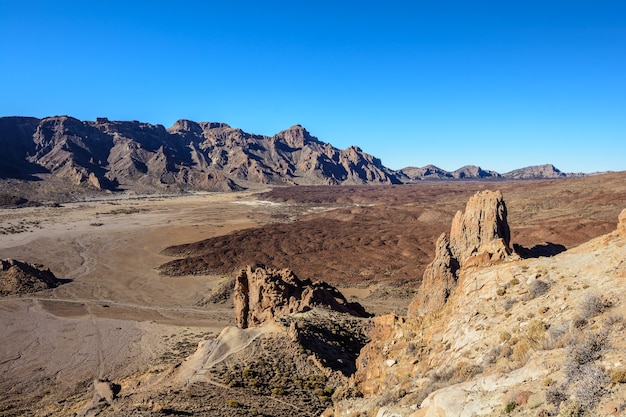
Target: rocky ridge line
{"points": [[113, 156]]}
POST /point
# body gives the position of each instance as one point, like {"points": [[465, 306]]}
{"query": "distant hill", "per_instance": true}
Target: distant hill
{"points": [[209, 156], [431, 172], [539, 171]]}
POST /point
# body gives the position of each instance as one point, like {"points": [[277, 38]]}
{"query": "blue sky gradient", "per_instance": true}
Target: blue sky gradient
{"points": [[498, 84]]}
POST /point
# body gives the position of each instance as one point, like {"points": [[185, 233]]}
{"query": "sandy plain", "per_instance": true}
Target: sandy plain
{"points": [[116, 315]]}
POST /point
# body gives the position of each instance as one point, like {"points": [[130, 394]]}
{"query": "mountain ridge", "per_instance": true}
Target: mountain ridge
{"points": [[209, 156]]}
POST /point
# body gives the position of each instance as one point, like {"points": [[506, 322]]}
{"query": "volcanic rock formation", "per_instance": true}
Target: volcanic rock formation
{"points": [[541, 336], [112, 155], [478, 236], [19, 278], [262, 294]]}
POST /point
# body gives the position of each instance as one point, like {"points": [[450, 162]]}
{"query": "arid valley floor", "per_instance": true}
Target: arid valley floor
{"points": [[131, 313]]}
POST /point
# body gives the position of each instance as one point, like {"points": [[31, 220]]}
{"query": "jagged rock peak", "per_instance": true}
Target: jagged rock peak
{"points": [[262, 294], [482, 225], [18, 277], [296, 136], [184, 125], [478, 236]]}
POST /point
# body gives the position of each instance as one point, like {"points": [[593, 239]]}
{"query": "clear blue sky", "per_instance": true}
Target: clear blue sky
{"points": [[500, 84]]}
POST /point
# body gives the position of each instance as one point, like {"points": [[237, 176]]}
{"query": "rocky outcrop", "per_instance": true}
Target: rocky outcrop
{"points": [[20, 278], [621, 225], [478, 236], [262, 294], [481, 229], [498, 344]]}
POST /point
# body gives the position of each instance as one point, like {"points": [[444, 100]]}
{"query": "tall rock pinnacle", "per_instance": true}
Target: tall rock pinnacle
{"points": [[478, 236]]}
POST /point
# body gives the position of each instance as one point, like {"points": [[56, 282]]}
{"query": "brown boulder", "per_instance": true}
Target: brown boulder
{"points": [[478, 236], [262, 294]]}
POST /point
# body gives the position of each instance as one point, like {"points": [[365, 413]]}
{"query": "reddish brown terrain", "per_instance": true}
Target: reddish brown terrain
{"points": [[385, 234]]}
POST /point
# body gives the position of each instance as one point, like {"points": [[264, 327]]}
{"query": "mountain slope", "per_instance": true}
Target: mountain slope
{"points": [[539, 171], [525, 337], [115, 155]]}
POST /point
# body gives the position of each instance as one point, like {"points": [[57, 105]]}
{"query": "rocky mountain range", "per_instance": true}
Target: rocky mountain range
{"points": [[132, 155]]}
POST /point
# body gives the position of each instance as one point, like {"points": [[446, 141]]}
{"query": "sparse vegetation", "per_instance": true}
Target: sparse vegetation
{"points": [[592, 305], [618, 376], [508, 304], [538, 288], [233, 403], [510, 407]]}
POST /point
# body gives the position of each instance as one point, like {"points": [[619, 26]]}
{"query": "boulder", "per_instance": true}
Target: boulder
{"points": [[19, 278], [262, 294]]}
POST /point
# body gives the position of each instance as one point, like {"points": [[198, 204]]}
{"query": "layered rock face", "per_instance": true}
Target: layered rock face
{"points": [[19, 278], [262, 294], [478, 236]]}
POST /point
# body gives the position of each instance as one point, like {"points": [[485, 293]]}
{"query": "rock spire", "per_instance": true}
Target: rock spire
{"points": [[478, 236]]}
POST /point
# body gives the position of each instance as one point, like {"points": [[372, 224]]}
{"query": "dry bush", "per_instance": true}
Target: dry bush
{"points": [[570, 408], [585, 381], [508, 303], [589, 348], [556, 395], [536, 331], [618, 376], [614, 319], [555, 337], [465, 371], [592, 305], [504, 336], [538, 288], [522, 350], [590, 385]]}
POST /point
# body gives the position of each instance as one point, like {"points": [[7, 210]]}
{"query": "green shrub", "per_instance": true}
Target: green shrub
{"points": [[510, 407]]}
